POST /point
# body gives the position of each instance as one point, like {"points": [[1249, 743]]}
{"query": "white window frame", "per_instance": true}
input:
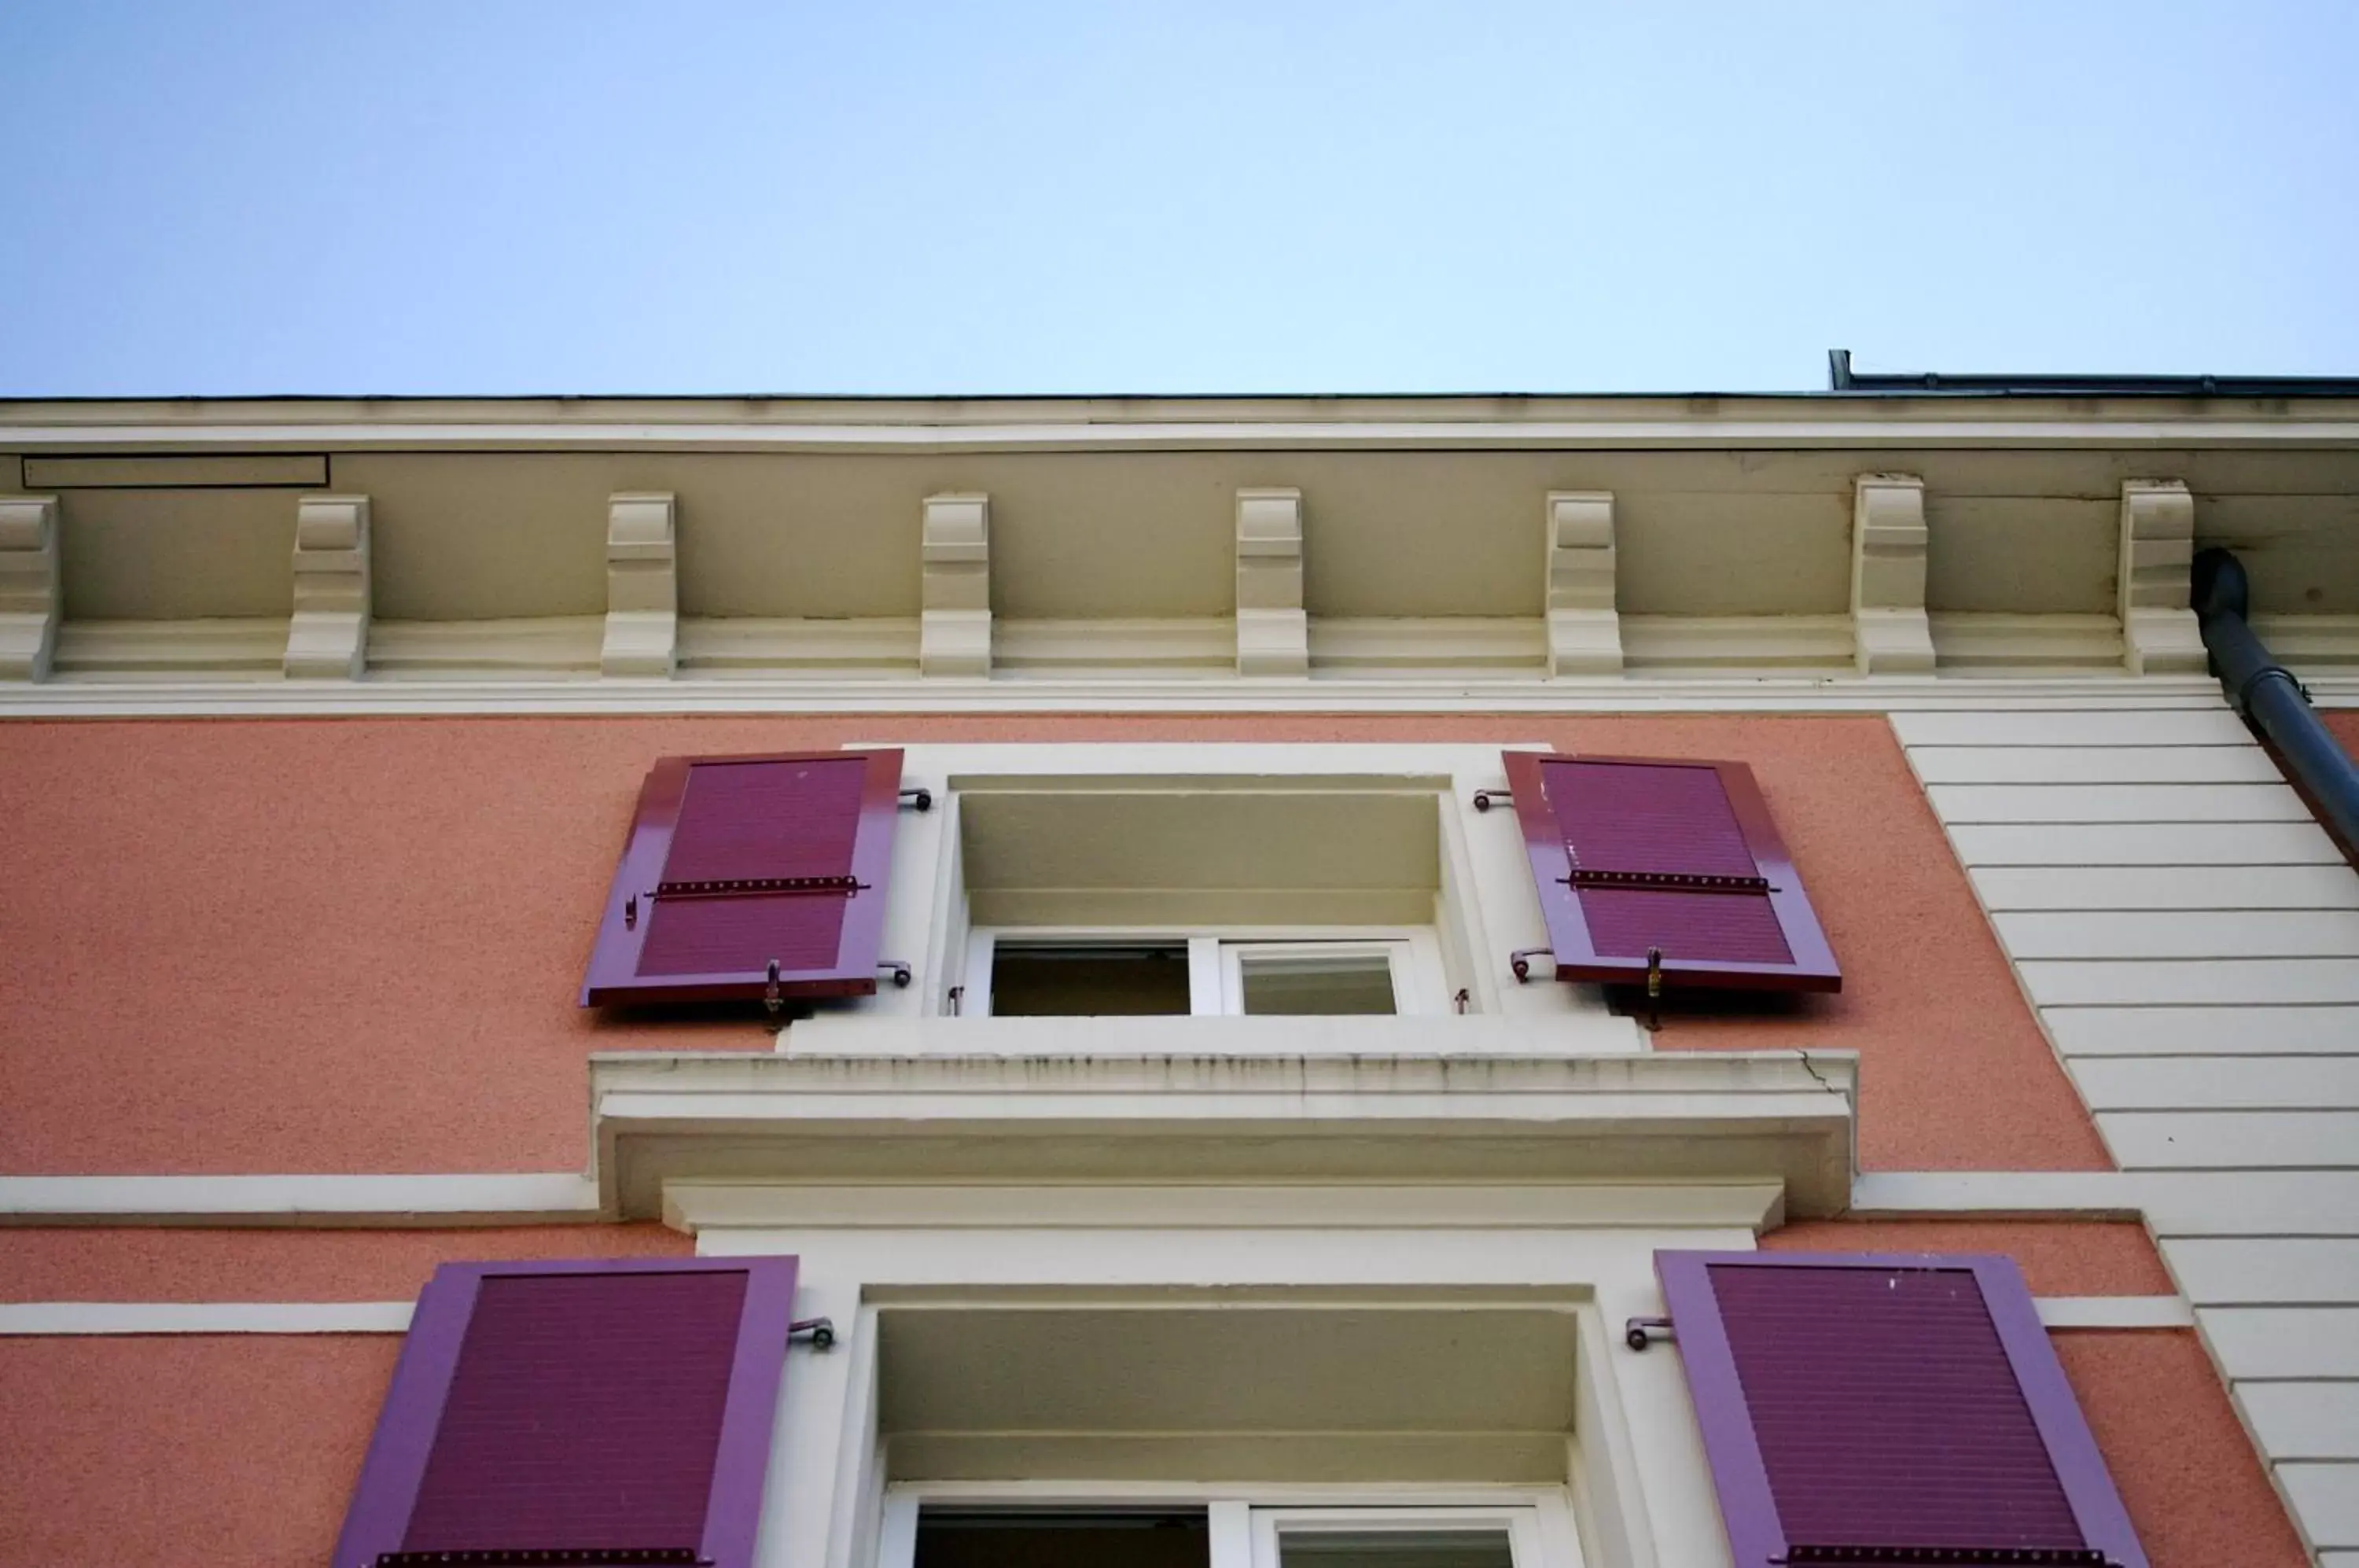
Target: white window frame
{"points": [[1270, 1527], [1217, 957], [1246, 1523]]}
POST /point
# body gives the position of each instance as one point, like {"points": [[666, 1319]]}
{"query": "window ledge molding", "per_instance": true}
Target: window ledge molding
{"points": [[1509, 1117], [1443, 1037]]}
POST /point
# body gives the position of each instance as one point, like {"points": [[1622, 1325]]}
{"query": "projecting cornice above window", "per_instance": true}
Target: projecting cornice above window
{"points": [[940, 544]]}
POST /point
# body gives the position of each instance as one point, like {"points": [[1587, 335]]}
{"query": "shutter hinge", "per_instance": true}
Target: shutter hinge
{"points": [[821, 1331], [1486, 799]]}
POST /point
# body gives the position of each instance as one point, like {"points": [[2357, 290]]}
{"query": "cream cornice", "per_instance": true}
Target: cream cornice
{"points": [[802, 695]]}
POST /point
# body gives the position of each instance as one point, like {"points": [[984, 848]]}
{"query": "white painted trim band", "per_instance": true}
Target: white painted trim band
{"points": [[56, 1318], [52, 1319], [813, 696], [2114, 1312], [344, 1201]]}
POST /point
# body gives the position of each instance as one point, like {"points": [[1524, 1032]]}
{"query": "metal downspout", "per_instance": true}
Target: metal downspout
{"points": [[2272, 702]]}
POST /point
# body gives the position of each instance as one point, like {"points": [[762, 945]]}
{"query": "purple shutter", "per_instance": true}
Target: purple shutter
{"points": [[1883, 1410], [609, 1411], [736, 862], [1633, 854]]}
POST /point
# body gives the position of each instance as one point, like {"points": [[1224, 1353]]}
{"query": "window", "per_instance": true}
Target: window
{"points": [[925, 1531], [1013, 971], [1396, 1538]]}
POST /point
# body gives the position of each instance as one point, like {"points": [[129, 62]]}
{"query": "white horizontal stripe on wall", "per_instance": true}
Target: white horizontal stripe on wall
{"points": [[62, 1319], [2144, 844], [2244, 981], [1939, 764], [2231, 1141], [1969, 804], [2115, 1312], [2304, 1420], [2181, 933], [2283, 1342], [2210, 888], [51, 1318], [2199, 1031], [425, 1200], [2230, 1082]]}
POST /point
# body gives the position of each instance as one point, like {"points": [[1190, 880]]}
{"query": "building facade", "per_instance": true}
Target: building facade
{"points": [[1497, 983]]}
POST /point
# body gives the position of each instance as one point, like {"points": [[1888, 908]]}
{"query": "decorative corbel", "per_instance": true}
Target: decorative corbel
{"points": [[1584, 633], [2159, 636], [1890, 633], [328, 637], [1273, 632], [28, 586], [954, 629], [642, 585]]}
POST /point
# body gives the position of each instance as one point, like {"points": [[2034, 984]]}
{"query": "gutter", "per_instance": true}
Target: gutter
{"points": [[2272, 702], [1842, 378]]}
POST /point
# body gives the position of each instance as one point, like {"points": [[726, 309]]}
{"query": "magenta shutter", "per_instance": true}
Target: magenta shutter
{"points": [[1883, 1409], [1637, 853], [736, 862], [578, 1412]]}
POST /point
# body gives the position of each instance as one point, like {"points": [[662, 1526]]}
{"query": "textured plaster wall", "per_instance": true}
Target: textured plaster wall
{"points": [[2062, 1257], [353, 945]]}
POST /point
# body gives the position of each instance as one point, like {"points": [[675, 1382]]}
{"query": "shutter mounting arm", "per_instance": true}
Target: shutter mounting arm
{"points": [[1641, 1332]]}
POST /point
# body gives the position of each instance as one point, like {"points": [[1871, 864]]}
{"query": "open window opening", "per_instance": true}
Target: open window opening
{"points": [[1015, 972], [1017, 1537], [1205, 895]]}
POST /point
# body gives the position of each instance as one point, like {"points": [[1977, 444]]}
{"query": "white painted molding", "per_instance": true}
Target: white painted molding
{"points": [[2114, 1312], [1452, 692], [1996, 1194], [62, 1319], [1584, 635], [954, 627], [28, 586], [1273, 632], [642, 636], [1891, 635], [2158, 548], [336, 1201], [45, 1319], [694, 1206], [1646, 1116], [328, 637]]}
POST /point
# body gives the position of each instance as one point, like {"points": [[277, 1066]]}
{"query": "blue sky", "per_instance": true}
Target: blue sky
{"points": [[248, 197]]}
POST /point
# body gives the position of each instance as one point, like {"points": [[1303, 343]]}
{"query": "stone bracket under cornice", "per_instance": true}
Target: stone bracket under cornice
{"points": [[328, 635], [642, 631], [1273, 630], [1584, 633], [2159, 636], [29, 590], [954, 624], [1781, 1117], [1888, 575]]}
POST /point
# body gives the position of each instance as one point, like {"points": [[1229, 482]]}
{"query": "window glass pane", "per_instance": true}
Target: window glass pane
{"points": [[1327, 985], [1063, 1538], [1395, 1549], [1069, 980]]}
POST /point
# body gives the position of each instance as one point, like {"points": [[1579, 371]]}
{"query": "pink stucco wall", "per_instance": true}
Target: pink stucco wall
{"points": [[352, 945]]}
